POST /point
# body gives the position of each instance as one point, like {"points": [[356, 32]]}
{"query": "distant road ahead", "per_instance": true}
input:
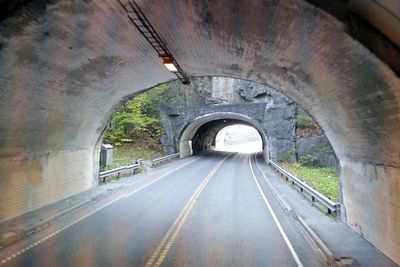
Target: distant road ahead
{"points": [[211, 212]]}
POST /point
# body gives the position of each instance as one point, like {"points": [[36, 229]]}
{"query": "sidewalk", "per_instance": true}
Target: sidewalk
{"points": [[32, 222], [337, 236]]}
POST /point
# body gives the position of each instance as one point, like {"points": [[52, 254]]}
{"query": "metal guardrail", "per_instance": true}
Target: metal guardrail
{"points": [[315, 195], [119, 170], [158, 160]]}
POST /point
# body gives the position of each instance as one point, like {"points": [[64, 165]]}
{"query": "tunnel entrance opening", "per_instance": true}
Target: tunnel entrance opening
{"points": [[192, 124], [238, 138], [200, 135]]}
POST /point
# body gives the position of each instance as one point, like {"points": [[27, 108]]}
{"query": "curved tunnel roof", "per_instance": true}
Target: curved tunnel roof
{"points": [[67, 65]]}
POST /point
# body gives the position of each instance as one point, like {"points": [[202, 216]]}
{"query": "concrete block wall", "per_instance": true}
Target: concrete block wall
{"points": [[32, 181]]}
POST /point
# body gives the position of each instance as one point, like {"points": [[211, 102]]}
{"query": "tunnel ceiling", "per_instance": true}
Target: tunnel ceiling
{"points": [[67, 65], [78, 67]]}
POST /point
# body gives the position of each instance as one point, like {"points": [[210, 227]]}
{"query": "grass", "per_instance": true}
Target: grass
{"points": [[324, 180], [304, 121], [126, 154]]}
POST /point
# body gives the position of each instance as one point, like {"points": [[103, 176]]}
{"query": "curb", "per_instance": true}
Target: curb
{"points": [[331, 259], [19, 233], [327, 254], [44, 223], [15, 234]]}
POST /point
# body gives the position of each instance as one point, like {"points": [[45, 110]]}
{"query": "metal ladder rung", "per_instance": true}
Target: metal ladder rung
{"points": [[138, 18]]}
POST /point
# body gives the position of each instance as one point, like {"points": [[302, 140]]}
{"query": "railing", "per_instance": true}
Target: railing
{"points": [[156, 161], [315, 195], [119, 170]]}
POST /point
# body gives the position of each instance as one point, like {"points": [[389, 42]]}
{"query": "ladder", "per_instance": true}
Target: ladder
{"points": [[137, 17]]}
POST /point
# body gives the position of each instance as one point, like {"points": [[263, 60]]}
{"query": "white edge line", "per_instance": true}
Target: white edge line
{"points": [[278, 224], [159, 178], [282, 201], [5, 260]]}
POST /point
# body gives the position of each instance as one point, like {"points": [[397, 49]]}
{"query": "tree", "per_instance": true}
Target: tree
{"points": [[136, 117]]}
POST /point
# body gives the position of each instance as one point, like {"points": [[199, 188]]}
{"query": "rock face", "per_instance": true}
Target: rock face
{"points": [[274, 111], [317, 151]]}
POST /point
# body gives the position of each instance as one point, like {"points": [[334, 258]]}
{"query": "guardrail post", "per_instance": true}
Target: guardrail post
{"points": [[315, 195]]}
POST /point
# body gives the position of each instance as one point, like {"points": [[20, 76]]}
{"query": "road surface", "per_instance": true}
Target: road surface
{"points": [[213, 211]]}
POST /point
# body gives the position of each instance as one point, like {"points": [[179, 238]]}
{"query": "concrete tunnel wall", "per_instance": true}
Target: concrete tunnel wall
{"points": [[209, 125], [66, 65]]}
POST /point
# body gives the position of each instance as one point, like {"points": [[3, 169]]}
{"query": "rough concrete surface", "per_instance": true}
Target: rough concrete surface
{"points": [[66, 66]]}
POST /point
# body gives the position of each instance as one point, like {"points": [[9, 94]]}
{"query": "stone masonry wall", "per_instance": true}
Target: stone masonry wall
{"points": [[205, 95]]}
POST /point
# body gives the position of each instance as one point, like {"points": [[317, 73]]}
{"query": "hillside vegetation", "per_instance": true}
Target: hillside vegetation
{"points": [[135, 129]]}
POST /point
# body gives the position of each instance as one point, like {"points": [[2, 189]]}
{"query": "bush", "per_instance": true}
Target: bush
{"points": [[309, 160], [288, 156], [136, 117], [304, 121]]}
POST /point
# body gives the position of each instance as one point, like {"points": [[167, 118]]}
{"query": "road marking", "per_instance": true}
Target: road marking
{"points": [[27, 248], [282, 201], [278, 224], [159, 178], [168, 240]]}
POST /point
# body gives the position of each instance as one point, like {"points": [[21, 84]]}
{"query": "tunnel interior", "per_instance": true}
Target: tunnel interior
{"points": [[239, 138], [76, 69], [199, 135], [205, 137]]}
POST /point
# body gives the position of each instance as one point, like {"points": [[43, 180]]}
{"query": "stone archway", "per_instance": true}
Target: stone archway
{"points": [[222, 119]]}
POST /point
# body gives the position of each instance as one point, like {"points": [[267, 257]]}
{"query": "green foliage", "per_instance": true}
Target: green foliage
{"points": [[137, 116], [304, 121], [126, 154], [324, 180], [309, 160], [288, 156]]}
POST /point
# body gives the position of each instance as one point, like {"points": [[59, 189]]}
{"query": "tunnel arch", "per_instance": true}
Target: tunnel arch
{"points": [[75, 76], [230, 118]]}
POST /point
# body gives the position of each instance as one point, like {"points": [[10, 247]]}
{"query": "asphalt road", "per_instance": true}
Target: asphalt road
{"points": [[215, 211]]}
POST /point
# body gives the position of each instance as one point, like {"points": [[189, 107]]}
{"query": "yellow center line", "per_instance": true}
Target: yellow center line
{"points": [[166, 243]]}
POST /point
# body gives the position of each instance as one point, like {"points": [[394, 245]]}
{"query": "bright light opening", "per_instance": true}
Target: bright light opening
{"points": [[169, 64], [238, 138]]}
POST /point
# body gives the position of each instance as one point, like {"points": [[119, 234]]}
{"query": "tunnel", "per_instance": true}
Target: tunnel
{"points": [[239, 138], [200, 134], [65, 70], [207, 135]]}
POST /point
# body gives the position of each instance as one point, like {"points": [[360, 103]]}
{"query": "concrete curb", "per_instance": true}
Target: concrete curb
{"points": [[19, 233], [327, 254], [331, 259], [44, 223], [16, 234]]}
